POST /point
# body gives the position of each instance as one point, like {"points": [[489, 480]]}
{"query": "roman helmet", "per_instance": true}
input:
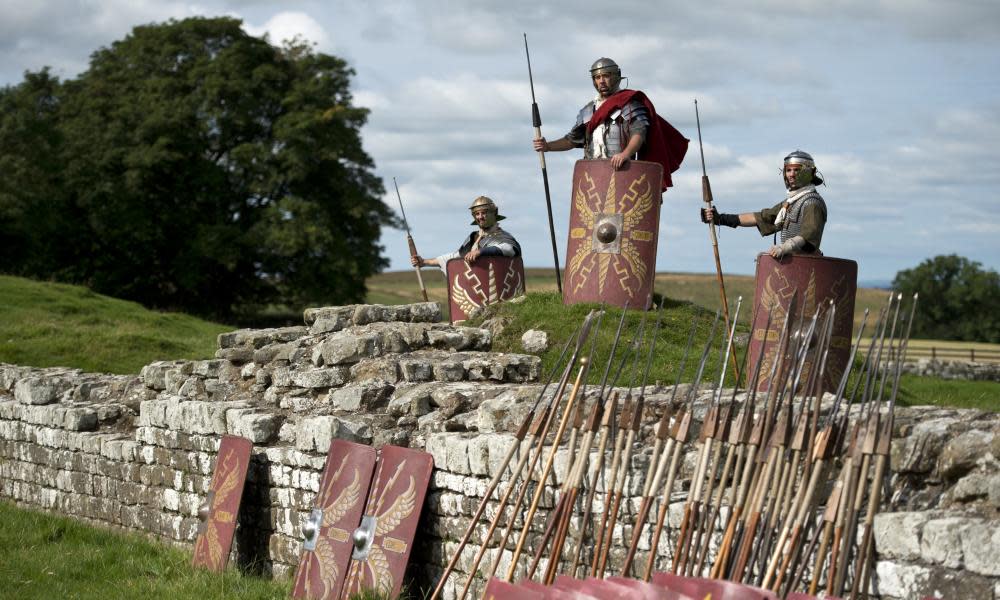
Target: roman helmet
{"points": [[807, 174], [606, 65], [486, 201]]}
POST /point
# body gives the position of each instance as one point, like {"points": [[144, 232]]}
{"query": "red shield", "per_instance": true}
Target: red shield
{"points": [[327, 550], [497, 589], [218, 513], [383, 542], [717, 589], [613, 225], [818, 279], [488, 280]]}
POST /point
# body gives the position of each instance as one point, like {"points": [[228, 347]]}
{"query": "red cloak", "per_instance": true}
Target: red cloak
{"points": [[664, 144]]}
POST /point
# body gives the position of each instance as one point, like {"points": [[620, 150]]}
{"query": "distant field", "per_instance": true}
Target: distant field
{"points": [[399, 287]]}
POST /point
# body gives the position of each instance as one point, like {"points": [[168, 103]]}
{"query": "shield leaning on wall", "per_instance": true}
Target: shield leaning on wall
{"points": [[818, 279], [613, 229], [383, 542], [327, 545], [219, 511], [488, 280]]}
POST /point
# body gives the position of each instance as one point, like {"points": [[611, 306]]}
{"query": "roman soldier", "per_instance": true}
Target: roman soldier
{"points": [[488, 240], [620, 124], [799, 218]]}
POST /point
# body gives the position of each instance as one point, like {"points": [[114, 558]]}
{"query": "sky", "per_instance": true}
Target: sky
{"points": [[897, 100]]}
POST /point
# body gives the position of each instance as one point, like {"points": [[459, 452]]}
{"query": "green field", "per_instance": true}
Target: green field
{"points": [[44, 557], [47, 324]]}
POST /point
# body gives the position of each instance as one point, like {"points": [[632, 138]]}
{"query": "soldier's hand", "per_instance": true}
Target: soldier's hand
{"points": [[416, 260], [472, 255], [540, 145], [777, 251], [618, 160], [709, 215]]}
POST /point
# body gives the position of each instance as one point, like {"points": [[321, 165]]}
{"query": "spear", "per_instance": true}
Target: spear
{"points": [[409, 241], [882, 451], [518, 438], [679, 436], [552, 454], [538, 431], [706, 196], [536, 121], [657, 466]]}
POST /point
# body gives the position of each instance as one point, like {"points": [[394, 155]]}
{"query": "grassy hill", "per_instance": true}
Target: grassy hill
{"points": [[45, 324], [400, 287]]}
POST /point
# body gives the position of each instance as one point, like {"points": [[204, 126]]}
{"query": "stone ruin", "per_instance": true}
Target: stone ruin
{"points": [[135, 452]]}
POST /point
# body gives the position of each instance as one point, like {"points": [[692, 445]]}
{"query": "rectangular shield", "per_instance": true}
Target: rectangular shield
{"points": [[613, 231], [384, 539], [488, 280], [336, 513], [819, 280], [219, 511], [497, 589]]}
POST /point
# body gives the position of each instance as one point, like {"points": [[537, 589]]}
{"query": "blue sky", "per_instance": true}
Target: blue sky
{"points": [[898, 101]]}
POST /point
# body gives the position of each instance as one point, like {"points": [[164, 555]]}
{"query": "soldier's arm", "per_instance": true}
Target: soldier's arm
{"points": [[563, 143], [727, 219]]}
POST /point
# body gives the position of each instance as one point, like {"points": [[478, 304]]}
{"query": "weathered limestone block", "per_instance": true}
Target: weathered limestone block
{"points": [[365, 395], [535, 341], [323, 377], [446, 337], [898, 535], [258, 338], [964, 452], [40, 390], [919, 451], [10, 374], [345, 347], [259, 428]]}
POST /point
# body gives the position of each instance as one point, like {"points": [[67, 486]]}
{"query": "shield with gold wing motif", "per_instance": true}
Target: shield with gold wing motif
{"points": [[219, 511], [327, 544], [488, 280], [819, 280], [613, 226], [384, 539]]}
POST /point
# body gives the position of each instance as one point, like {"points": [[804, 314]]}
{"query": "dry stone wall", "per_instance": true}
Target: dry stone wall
{"points": [[136, 452]]}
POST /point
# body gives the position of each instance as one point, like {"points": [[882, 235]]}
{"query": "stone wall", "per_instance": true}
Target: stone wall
{"points": [[136, 452], [953, 369]]}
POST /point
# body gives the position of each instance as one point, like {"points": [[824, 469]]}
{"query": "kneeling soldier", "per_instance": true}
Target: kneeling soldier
{"points": [[488, 240]]}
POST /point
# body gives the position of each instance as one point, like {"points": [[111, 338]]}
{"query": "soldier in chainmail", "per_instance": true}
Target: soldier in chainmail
{"points": [[618, 135], [488, 240], [799, 218]]}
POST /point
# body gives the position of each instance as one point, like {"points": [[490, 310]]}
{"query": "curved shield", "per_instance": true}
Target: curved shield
{"points": [[613, 225], [488, 280], [327, 546], [498, 589], [218, 513], [383, 542], [818, 279]]}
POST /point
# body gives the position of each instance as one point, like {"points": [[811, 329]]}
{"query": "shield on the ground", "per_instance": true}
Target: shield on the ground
{"points": [[488, 280], [383, 541], [498, 589], [717, 589], [219, 511], [819, 280], [613, 228], [328, 544]]}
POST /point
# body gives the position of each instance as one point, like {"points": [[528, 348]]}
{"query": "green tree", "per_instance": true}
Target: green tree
{"points": [[194, 166], [957, 299]]}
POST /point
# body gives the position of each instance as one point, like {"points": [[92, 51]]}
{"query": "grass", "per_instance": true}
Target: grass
{"points": [[951, 393], [43, 556], [52, 324], [545, 310]]}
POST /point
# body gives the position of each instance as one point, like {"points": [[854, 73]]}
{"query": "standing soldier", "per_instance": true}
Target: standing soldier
{"points": [[488, 240], [620, 124], [800, 217]]}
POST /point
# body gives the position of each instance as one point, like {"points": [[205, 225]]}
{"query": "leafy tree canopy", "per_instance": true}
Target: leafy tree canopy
{"points": [[192, 166], [957, 299]]}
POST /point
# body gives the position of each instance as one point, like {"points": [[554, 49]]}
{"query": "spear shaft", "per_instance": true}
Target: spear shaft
{"points": [[706, 196], [536, 121], [409, 241]]}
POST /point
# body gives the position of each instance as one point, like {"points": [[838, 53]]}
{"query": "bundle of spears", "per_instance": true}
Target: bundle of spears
{"points": [[780, 502]]}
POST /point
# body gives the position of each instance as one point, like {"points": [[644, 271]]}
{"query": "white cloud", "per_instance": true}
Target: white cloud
{"points": [[287, 26]]}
